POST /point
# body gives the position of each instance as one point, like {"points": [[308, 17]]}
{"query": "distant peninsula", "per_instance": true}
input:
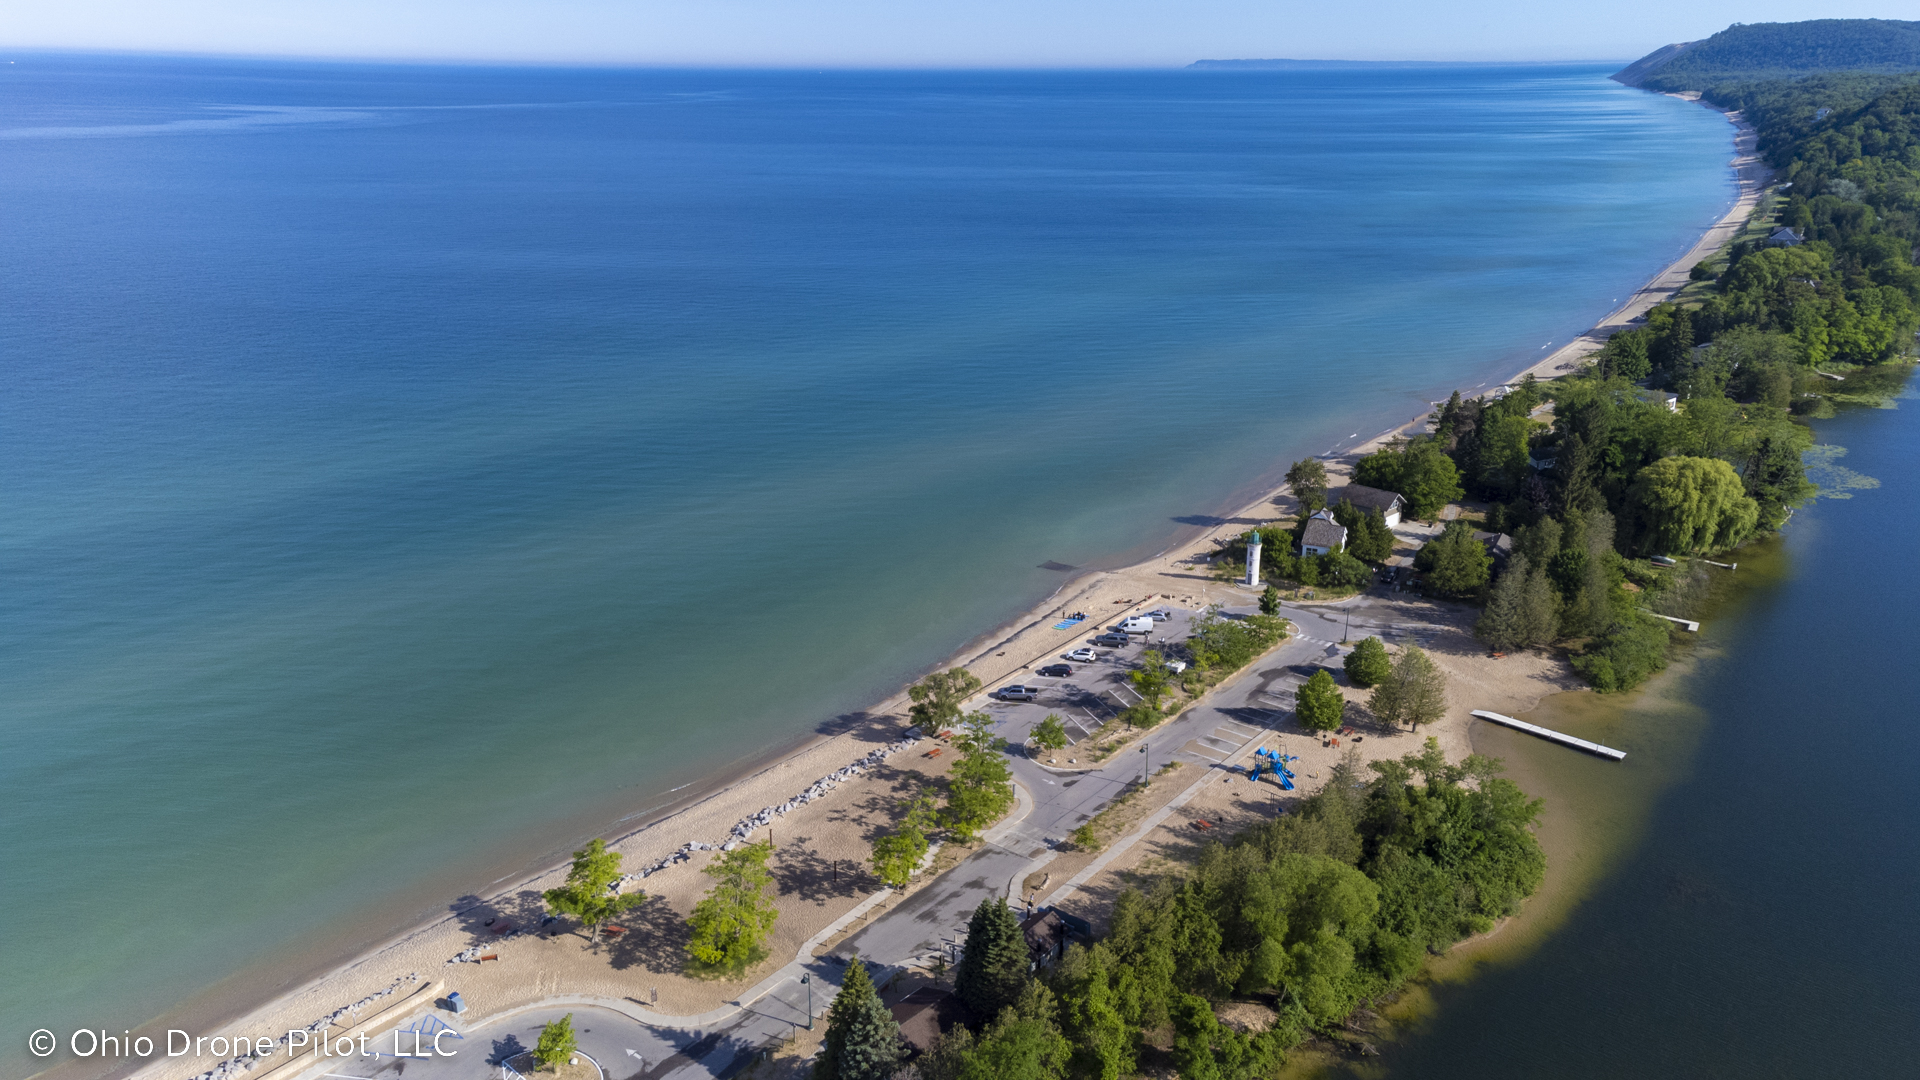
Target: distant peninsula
{"points": [[1321, 65]]}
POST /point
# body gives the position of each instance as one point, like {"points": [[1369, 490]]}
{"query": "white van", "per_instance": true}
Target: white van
{"points": [[1141, 625]]}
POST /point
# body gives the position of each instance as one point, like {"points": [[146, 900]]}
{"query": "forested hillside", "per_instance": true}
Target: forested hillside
{"points": [[1764, 51]]}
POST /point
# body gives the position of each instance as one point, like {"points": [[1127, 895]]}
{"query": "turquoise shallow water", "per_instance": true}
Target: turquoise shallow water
{"points": [[409, 470]]}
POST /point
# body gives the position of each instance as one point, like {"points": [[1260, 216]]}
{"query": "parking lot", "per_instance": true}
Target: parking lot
{"points": [[1095, 692]]}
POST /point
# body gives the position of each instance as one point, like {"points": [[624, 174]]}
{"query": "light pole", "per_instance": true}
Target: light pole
{"points": [[807, 981], [1146, 767], [1349, 630]]}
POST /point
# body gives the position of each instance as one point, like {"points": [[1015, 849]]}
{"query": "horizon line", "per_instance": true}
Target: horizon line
{"points": [[9, 52]]}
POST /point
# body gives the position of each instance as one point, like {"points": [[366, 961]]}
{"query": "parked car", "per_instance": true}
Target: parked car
{"points": [[1115, 639], [1138, 625], [1016, 692], [1176, 666], [1055, 671], [1082, 656], [1159, 615]]}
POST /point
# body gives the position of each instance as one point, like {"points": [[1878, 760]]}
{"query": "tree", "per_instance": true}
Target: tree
{"points": [[1368, 538], [731, 925], [1422, 475], [1102, 1041], [588, 894], [938, 697], [557, 1044], [1308, 479], [897, 853], [993, 967], [1416, 692], [979, 786], [1540, 609], [1368, 664], [1023, 1043], [1270, 601], [1049, 734], [1692, 505], [1318, 703], [1150, 678], [1376, 539], [862, 1041], [1503, 623], [1454, 561]]}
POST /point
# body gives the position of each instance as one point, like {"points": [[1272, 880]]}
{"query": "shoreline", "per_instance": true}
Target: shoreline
{"points": [[995, 656]]}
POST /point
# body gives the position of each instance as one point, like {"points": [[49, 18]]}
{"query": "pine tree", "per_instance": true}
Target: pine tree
{"points": [[994, 967], [1540, 609], [863, 1039], [1503, 625]]}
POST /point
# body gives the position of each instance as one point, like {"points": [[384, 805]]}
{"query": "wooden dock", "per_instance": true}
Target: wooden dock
{"points": [[1568, 740]]}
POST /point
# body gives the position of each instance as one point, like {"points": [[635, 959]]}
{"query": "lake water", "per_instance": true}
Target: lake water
{"points": [[1753, 916], [409, 471]]}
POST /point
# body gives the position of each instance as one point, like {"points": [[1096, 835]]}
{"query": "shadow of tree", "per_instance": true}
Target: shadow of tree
{"points": [[486, 920], [1213, 520], [876, 728], [508, 1046], [801, 870], [656, 938]]}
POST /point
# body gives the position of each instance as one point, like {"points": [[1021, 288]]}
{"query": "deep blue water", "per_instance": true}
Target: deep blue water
{"points": [[409, 470]]}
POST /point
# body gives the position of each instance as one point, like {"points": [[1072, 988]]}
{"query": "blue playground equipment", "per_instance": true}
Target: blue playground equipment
{"points": [[1274, 762]]}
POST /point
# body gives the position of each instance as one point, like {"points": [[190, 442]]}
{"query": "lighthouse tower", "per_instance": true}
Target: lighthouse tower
{"points": [[1253, 560]]}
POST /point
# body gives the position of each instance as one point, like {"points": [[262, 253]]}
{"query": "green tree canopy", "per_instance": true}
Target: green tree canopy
{"points": [[588, 894], [862, 1041], [1090, 1018], [1418, 471], [1454, 561], [1270, 601], [557, 1043], [730, 926], [1692, 505], [898, 851], [938, 698], [980, 785], [1415, 694], [1308, 479], [1318, 703], [1368, 538], [1049, 734], [1368, 664], [993, 966]]}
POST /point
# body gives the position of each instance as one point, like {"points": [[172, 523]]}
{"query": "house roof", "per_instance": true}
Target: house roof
{"points": [[1784, 235], [1046, 932], [1323, 532], [1367, 498], [925, 1013]]}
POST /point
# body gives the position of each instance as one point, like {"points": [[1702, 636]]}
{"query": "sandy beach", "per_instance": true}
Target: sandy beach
{"points": [[496, 954]]}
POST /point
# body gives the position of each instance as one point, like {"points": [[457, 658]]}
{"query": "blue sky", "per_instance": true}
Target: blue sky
{"points": [[899, 33]]}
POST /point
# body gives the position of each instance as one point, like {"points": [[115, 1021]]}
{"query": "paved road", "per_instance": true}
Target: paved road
{"points": [[1247, 708]]}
